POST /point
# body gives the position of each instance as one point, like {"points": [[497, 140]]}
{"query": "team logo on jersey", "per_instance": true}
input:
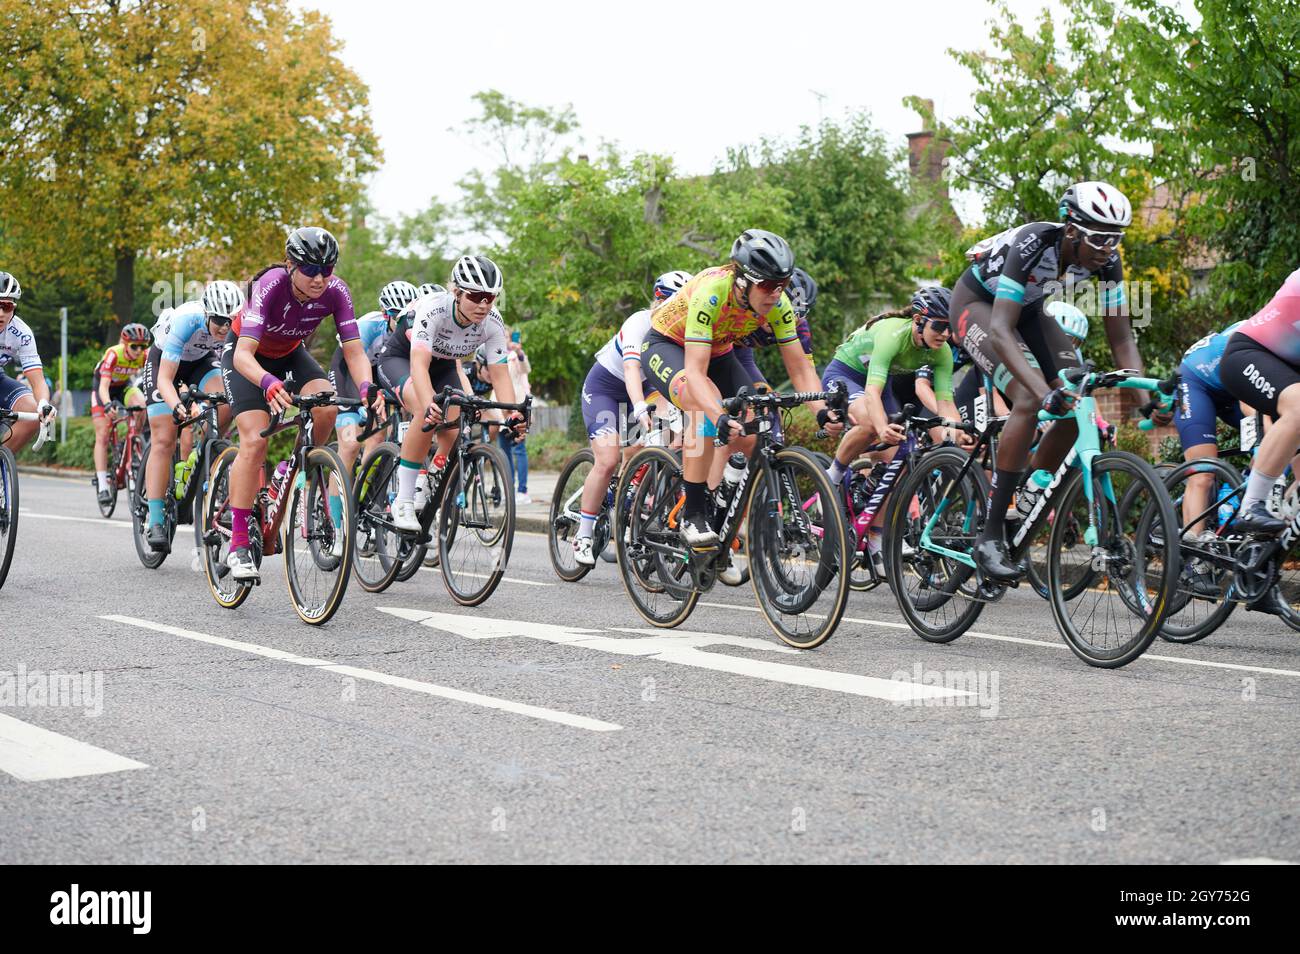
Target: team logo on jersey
{"points": [[713, 299]]}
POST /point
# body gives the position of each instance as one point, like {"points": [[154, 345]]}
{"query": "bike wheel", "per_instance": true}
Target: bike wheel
{"points": [[139, 506], [1204, 597], [201, 482], [651, 558], [377, 546], [935, 591], [318, 578], [227, 591], [798, 551], [566, 514], [114, 461], [476, 525], [8, 510], [1135, 560]]}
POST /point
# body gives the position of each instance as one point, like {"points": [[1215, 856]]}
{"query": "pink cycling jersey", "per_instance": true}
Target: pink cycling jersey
{"points": [[279, 322]]}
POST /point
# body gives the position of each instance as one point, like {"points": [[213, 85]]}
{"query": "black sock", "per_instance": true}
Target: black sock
{"points": [[697, 498], [1005, 483]]}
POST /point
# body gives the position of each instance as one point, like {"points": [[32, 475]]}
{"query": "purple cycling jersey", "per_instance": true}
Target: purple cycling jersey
{"points": [[279, 322], [1277, 326]]}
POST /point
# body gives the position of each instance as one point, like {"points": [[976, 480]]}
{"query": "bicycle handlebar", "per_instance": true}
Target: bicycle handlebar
{"points": [[450, 396], [308, 402]]}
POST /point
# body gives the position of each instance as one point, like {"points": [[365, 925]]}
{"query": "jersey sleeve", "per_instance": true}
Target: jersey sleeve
{"points": [[1111, 278], [495, 349], [784, 325], [631, 337], [28, 356], [421, 334], [805, 336], [884, 349], [702, 310], [925, 373], [253, 320], [345, 318], [106, 364], [1023, 251], [181, 329]]}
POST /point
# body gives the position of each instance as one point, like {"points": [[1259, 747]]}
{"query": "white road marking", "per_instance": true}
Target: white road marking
{"points": [[100, 521], [1255, 861], [400, 682], [484, 576], [32, 754], [973, 634], [683, 648]]}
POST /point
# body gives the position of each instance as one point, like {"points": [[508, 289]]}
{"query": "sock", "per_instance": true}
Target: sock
{"points": [[1258, 487], [157, 513], [1004, 486], [697, 498], [587, 525], [102, 477], [407, 473], [836, 471], [239, 527], [874, 540], [336, 510]]}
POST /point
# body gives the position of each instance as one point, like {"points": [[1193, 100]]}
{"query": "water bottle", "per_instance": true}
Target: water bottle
{"points": [[277, 481], [1275, 496], [1032, 490], [184, 471], [421, 489], [1225, 505], [735, 469]]}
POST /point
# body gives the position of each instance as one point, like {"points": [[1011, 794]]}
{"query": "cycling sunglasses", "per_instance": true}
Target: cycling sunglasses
{"points": [[939, 326], [8, 306], [219, 319], [770, 285], [1100, 240], [478, 297], [311, 271]]}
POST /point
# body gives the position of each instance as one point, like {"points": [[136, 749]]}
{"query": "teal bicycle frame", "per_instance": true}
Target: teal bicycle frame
{"points": [[1087, 445]]}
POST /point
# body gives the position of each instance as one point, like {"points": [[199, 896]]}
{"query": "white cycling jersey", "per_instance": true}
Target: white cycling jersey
{"points": [[625, 345], [434, 329], [182, 334], [18, 345]]}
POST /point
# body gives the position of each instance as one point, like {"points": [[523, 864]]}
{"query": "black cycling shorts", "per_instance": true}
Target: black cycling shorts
{"points": [[443, 373], [296, 369], [664, 361], [1041, 336], [1255, 375], [193, 374]]}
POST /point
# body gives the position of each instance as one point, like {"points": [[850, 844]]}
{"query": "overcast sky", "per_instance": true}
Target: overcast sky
{"points": [[686, 78]]}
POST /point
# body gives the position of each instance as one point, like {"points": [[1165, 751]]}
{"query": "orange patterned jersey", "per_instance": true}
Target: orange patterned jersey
{"points": [[705, 310]]}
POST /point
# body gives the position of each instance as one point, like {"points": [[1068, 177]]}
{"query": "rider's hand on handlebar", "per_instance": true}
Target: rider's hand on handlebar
{"points": [[892, 434], [518, 424], [47, 411], [434, 414], [179, 415], [831, 421], [1057, 401], [1164, 414], [277, 397]]}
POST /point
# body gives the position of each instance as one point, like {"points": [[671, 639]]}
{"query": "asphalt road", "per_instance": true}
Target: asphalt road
{"points": [[547, 725]]}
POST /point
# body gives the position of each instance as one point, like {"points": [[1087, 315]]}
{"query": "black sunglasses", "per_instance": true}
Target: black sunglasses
{"points": [[311, 271]]}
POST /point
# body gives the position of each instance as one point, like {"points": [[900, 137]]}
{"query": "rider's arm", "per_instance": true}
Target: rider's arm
{"points": [[245, 360], [925, 391], [354, 356], [167, 368], [36, 378]]}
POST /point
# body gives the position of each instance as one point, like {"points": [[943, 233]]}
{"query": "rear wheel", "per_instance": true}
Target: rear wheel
{"points": [[566, 515], [317, 543], [476, 525], [1203, 600], [8, 510], [378, 547], [139, 505], [114, 460], [227, 591]]}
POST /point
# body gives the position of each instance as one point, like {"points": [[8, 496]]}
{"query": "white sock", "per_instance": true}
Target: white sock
{"points": [[102, 476], [587, 524], [406, 477], [836, 471], [1258, 488]]}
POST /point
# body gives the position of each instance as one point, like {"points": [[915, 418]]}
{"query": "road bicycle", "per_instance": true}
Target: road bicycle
{"points": [[1110, 590], [9, 482], [124, 451], [300, 487], [798, 555]]}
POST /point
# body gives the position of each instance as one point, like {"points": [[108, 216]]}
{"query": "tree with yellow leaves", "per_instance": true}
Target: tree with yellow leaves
{"points": [[192, 132]]}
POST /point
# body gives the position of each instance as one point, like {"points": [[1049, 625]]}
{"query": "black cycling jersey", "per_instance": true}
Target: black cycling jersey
{"points": [[1019, 262]]}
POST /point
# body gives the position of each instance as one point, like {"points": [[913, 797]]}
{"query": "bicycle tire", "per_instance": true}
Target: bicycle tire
{"points": [[1176, 629], [649, 486], [468, 515], [8, 510], [798, 533], [229, 593], [323, 477], [1128, 566], [115, 449], [139, 506], [376, 550], [941, 582], [561, 527], [215, 449]]}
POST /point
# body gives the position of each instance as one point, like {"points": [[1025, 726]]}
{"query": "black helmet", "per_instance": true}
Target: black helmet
{"points": [[763, 256], [802, 292], [312, 246], [931, 303]]}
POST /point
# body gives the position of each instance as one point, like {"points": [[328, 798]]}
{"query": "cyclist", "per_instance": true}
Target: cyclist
{"points": [[613, 396], [802, 293], [446, 329], [113, 387], [690, 357], [373, 328], [18, 345], [265, 362], [1261, 367], [187, 340], [998, 304]]}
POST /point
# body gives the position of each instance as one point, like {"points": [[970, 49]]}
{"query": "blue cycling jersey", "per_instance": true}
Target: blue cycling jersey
{"points": [[182, 334], [373, 328], [1202, 359]]}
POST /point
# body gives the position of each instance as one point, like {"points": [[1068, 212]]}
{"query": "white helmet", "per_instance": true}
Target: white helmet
{"points": [[222, 298], [397, 295], [1072, 321], [1096, 203], [669, 284], [477, 273], [9, 287], [431, 288]]}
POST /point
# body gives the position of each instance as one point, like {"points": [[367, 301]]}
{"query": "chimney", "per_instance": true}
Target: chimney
{"points": [[924, 154]]}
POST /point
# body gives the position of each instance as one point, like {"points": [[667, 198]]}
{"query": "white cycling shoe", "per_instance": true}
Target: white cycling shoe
{"points": [[405, 517], [582, 551]]}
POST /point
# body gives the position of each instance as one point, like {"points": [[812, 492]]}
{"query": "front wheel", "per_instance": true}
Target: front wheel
{"points": [[798, 550], [114, 461], [139, 503], [317, 537], [1135, 560], [1204, 598], [378, 546], [651, 557], [8, 510], [215, 534], [566, 515], [476, 524]]}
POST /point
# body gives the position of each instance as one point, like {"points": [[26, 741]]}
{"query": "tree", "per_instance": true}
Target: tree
{"points": [[193, 134]]}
